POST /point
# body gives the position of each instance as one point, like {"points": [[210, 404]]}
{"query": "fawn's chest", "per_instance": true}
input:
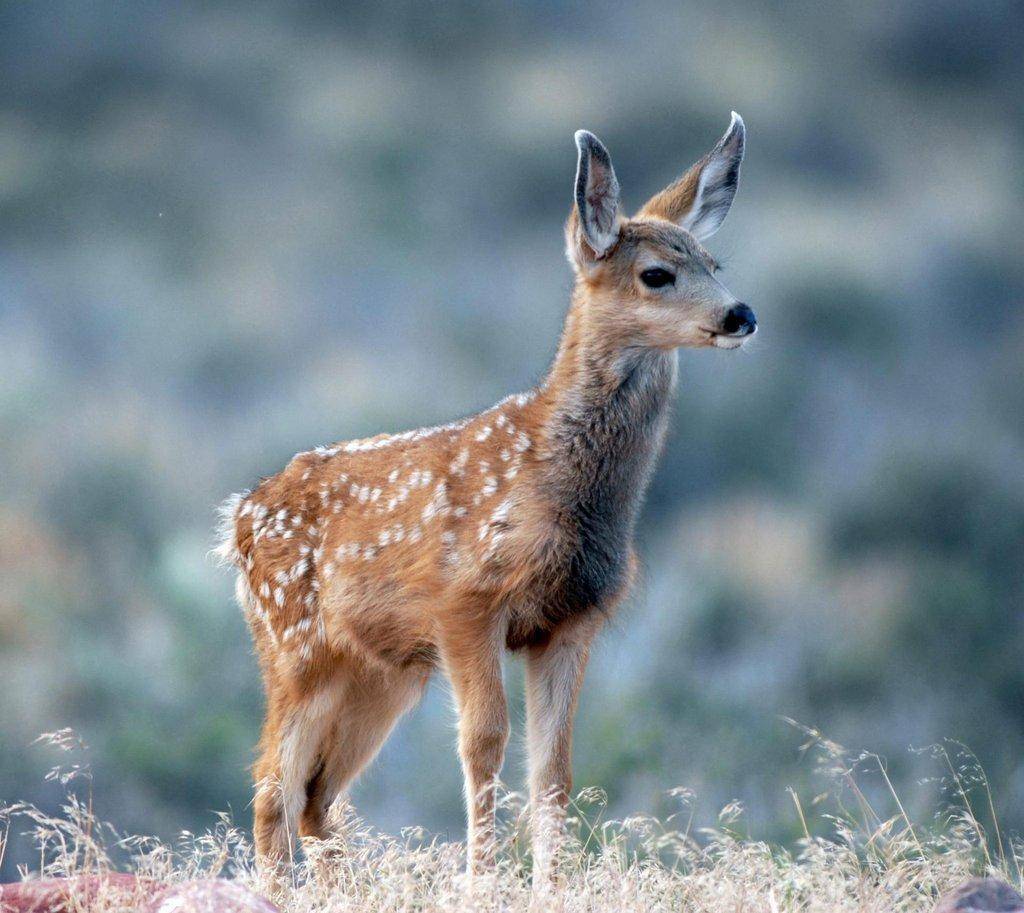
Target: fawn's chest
{"points": [[602, 450]]}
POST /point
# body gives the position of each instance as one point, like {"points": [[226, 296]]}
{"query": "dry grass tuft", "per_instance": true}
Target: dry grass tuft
{"points": [[870, 859]]}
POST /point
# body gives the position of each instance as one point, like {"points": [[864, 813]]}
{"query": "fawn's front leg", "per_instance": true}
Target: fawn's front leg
{"points": [[472, 656], [554, 674]]}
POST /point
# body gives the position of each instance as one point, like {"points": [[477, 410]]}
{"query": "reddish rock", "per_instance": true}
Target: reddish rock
{"points": [[71, 895], [981, 895], [76, 895]]}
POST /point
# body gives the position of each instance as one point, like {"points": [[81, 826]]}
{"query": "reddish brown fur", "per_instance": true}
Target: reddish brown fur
{"points": [[364, 566]]}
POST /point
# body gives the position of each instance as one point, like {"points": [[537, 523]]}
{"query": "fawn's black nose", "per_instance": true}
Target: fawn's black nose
{"points": [[740, 321]]}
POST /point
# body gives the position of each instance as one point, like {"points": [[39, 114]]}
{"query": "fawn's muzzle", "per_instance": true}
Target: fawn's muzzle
{"points": [[739, 321]]}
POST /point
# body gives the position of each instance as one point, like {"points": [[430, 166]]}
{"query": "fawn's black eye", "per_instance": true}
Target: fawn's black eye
{"points": [[656, 278]]}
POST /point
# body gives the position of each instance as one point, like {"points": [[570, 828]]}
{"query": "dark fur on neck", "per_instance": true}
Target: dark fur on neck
{"points": [[604, 434]]}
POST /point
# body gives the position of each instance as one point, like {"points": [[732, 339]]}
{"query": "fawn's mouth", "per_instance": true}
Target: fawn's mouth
{"points": [[727, 340]]}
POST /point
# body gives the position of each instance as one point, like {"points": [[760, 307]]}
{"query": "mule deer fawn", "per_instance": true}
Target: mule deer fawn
{"points": [[365, 565]]}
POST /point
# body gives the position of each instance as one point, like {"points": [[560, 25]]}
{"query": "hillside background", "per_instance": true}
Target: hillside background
{"points": [[229, 232]]}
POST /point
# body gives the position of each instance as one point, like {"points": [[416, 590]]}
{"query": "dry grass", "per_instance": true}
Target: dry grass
{"points": [[870, 860]]}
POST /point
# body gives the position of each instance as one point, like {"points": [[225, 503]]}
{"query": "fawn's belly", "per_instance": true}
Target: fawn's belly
{"points": [[390, 613]]}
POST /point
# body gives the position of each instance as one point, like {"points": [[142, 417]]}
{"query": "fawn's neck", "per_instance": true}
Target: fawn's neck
{"points": [[608, 409]]}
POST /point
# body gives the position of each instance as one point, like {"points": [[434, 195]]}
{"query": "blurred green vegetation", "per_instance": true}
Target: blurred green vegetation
{"points": [[228, 233]]}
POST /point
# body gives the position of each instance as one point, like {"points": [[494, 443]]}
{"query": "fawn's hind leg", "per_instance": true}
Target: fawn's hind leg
{"points": [[366, 707], [292, 735]]}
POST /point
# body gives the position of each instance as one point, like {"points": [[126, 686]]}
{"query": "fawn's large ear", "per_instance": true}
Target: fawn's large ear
{"points": [[593, 227], [701, 198]]}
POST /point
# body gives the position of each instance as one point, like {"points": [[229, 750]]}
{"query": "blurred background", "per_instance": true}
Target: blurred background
{"points": [[229, 232]]}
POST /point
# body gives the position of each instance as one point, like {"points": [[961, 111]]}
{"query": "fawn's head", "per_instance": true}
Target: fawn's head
{"points": [[648, 279]]}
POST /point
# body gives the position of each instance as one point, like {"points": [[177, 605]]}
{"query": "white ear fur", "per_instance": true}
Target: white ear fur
{"points": [[597, 194], [719, 178]]}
